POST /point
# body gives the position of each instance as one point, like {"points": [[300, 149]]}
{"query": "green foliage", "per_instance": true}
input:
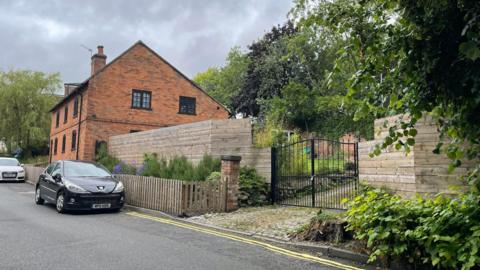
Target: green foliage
{"points": [[113, 164], [442, 232], [214, 177], [269, 133], [25, 99], [298, 162], [265, 74], [253, 188], [38, 160], [179, 167], [409, 57], [103, 157], [283, 81], [206, 166], [326, 216], [223, 83]]}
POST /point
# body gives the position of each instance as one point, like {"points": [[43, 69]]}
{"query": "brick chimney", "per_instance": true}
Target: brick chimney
{"points": [[98, 60]]}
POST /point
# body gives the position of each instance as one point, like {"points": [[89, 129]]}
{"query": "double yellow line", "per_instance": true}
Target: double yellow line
{"points": [[298, 255]]}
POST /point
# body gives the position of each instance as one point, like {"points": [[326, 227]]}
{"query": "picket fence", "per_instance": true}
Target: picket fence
{"points": [[174, 196]]}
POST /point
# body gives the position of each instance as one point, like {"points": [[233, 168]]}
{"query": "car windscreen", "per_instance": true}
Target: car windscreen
{"points": [[81, 169], [8, 162]]}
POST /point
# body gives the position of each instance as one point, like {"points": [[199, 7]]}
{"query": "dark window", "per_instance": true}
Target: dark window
{"points": [[187, 105], [141, 99], [75, 107], [74, 140], [55, 146], [65, 114], [81, 169], [64, 141], [57, 123], [57, 169], [134, 130], [50, 168], [100, 145]]}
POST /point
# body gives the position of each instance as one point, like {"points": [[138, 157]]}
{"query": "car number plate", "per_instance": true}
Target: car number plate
{"points": [[100, 205], [9, 175]]}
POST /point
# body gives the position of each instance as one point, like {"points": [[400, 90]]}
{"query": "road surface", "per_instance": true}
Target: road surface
{"points": [[37, 237]]}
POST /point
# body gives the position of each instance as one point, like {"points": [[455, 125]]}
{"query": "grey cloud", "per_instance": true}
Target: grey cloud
{"points": [[191, 34]]}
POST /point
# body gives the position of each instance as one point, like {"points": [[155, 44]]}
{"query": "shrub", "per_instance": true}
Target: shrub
{"points": [[104, 158], [151, 165], [214, 176], [179, 167], [253, 188], [123, 168], [206, 166], [441, 232], [112, 163]]}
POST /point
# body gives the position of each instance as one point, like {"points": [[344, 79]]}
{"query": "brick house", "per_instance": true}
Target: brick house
{"points": [[138, 90]]}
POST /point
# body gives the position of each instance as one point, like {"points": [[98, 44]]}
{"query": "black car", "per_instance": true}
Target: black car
{"points": [[79, 185]]}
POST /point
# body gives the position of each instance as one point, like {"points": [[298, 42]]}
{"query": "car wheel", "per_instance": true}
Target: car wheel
{"points": [[60, 204], [38, 197]]}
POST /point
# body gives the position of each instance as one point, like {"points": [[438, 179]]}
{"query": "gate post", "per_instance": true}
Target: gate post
{"points": [[230, 176], [273, 175], [312, 160]]}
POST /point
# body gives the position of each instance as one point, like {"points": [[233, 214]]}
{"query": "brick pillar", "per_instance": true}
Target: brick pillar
{"points": [[230, 174]]}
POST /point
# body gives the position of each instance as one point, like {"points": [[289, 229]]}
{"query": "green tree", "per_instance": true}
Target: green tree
{"points": [[413, 57], [25, 99], [265, 75], [223, 83]]}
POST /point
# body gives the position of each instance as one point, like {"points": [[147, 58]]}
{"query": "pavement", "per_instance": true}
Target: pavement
{"points": [[37, 237]]}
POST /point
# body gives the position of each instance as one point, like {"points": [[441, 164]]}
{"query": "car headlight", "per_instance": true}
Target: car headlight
{"points": [[119, 187], [74, 188], [21, 171]]}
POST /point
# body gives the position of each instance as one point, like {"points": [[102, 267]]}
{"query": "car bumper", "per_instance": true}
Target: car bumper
{"points": [[75, 201], [19, 177]]}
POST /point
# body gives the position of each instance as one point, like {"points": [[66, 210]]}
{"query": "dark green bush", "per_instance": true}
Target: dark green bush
{"points": [[206, 166], [253, 188], [103, 157], [440, 232]]}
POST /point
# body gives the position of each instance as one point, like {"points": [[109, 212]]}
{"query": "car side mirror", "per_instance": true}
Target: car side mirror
{"points": [[22, 165], [57, 177]]}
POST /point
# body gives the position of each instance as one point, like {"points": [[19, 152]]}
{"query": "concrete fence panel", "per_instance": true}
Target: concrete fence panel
{"points": [[32, 173]]}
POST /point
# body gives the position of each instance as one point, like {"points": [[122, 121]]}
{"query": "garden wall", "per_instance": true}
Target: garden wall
{"points": [[214, 137], [421, 171]]}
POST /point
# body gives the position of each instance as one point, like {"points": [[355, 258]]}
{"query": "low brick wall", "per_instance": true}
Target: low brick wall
{"points": [[421, 171], [213, 137]]}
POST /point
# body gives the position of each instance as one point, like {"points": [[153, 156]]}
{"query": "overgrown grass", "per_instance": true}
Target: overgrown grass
{"points": [[38, 160], [301, 164]]}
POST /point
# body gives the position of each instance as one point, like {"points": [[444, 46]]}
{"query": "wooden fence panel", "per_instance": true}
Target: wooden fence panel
{"points": [[174, 196], [203, 197]]}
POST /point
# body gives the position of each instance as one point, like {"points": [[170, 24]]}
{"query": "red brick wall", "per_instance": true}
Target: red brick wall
{"points": [[108, 99]]}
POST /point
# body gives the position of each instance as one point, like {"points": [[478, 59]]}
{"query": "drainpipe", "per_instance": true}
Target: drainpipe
{"points": [[79, 124]]}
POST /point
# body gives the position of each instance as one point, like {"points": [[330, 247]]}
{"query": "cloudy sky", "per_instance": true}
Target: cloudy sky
{"points": [[190, 34]]}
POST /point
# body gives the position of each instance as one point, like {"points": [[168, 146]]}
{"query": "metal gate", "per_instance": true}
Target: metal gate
{"points": [[315, 173]]}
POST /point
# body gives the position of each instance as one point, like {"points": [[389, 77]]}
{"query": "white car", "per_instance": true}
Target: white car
{"points": [[11, 170]]}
